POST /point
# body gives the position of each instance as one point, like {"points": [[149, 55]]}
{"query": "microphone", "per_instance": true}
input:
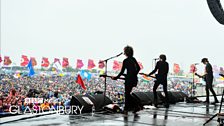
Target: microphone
{"points": [[196, 64], [120, 54], [156, 59]]}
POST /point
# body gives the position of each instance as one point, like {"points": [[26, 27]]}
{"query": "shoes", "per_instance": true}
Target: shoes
{"points": [[166, 105], [206, 102], [213, 103], [137, 109], [125, 112]]}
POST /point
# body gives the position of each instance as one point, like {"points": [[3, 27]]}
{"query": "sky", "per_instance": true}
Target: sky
{"points": [[184, 30]]}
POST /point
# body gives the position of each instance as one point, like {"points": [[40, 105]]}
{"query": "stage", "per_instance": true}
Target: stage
{"points": [[184, 114]]}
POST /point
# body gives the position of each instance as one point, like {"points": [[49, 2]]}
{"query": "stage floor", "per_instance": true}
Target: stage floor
{"points": [[180, 114]]}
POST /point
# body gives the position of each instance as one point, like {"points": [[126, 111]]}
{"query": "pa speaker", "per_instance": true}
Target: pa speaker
{"points": [[88, 101], [143, 98], [216, 10]]}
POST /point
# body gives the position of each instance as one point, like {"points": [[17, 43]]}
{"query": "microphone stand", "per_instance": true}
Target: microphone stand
{"points": [[105, 82]]}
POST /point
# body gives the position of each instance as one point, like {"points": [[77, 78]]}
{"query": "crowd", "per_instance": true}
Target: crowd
{"points": [[57, 90]]}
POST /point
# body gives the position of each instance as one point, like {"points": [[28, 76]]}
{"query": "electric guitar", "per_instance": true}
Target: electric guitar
{"points": [[222, 75], [122, 78], [104, 75], [200, 76], [147, 75]]}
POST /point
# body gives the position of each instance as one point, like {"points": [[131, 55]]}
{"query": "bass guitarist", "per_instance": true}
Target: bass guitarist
{"points": [[208, 78], [161, 78]]}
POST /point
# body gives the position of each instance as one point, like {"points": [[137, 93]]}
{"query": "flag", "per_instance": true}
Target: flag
{"points": [[141, 66], [176, 68], [7, 60], [79, 64], [45, 62], [57, 65], [85, 75], [57, 60], [30, 68], [221, 70], [34, 62], [65, 62], [24, 60], [80, 82], [0, 58], [91, 64], [101, 64], [193, 68], [117, 65]]}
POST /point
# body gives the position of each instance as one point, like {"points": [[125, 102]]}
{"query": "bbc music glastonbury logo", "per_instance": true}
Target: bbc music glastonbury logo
{"points": [[36, 109], [14, 109]]}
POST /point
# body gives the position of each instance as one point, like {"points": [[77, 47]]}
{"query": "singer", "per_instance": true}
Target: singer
{"points": [[161, 78], [131, 65]]}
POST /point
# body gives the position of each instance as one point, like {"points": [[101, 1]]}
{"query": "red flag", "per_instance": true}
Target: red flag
{"points": [[24, 60], [80, 82], [193, 68], [176, 68], [34, 62], [79, 64], [65, 62], [140, 64], [0, 58], [7, 60], [91, 64], [57, 60], [101, 64], [45, 62], [117, 65]]}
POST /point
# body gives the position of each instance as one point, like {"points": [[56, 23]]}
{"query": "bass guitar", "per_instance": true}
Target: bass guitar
{"points": [[201, 76]]}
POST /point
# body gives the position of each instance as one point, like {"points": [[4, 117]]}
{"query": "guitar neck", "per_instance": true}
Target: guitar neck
{"points": [[222, 75]]}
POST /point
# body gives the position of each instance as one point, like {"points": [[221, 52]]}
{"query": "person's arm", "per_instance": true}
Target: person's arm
{"points": [[156, 68]]}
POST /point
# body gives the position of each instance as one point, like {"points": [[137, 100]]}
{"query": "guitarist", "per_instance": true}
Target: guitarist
{"points": [[161, 78], [208, 77], [132, 68]]}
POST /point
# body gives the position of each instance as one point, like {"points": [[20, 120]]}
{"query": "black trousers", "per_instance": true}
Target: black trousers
{"points": [[131, 103], [156, 85], [209, 81]]}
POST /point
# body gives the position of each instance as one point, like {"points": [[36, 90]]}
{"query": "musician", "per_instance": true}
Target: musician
{"points": [[161, 78], [209, 80], [132, 68]]}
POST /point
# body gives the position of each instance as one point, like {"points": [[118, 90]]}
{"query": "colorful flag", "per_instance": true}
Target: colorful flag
{"points": [[141, 66], [101, 64], [176, 68], [91, 64], [80, 82], [30, 68], [0, 58], [79, 64], [193, 68], [34, 62], [65, 62], [57, 65], [117, 65], [57, 60], [85, 75], [45, 62], [221, 70], [7, 60], [24, 60]]}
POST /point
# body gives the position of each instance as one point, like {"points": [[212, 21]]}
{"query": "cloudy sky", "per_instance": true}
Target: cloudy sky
{"points": [[184, 30]]}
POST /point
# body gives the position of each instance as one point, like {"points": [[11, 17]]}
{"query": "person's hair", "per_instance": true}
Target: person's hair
{"points": [[163, 57], [128, 51], [204, 60]]}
